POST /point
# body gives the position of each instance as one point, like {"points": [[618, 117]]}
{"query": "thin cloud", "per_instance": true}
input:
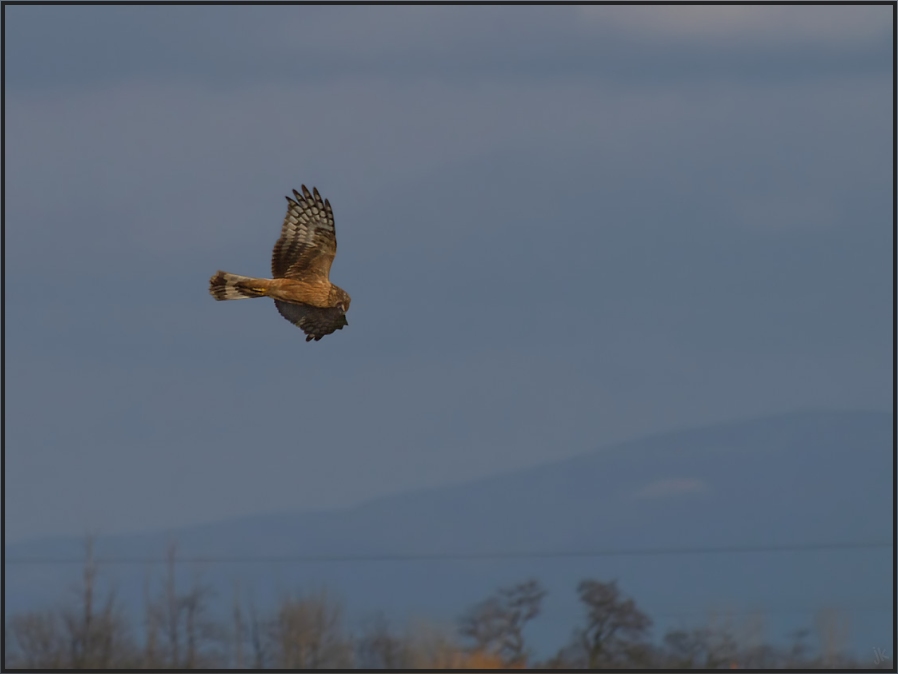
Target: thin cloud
{"points": [[738, 25], [673, 486]]}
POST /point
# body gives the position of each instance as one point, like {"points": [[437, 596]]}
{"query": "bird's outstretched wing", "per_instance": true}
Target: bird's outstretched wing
{"points": [[315, 322], [308, 241]]}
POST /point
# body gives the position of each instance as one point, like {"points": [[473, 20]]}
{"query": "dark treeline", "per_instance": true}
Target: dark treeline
{"points": [[308, 631]]}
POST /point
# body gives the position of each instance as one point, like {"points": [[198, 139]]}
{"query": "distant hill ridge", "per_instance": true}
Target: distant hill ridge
{"points": [[784, 480]]}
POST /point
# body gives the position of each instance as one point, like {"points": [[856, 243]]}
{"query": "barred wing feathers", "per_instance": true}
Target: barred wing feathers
{"points": [[308, 241]]}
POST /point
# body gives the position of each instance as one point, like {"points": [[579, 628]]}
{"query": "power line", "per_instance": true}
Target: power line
{"points": [[473, 556]]}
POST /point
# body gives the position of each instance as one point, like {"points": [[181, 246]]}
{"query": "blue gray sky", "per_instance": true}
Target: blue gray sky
{"points": [[561, 227]]}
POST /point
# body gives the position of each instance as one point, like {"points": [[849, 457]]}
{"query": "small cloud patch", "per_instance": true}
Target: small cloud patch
{"points": [[673, 486]]}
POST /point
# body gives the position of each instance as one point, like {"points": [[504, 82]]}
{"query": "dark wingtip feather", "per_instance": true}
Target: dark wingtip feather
{"points": [[218, 286]]}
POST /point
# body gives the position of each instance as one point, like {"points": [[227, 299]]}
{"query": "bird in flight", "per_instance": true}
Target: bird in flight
{"points": [[300, 266]]}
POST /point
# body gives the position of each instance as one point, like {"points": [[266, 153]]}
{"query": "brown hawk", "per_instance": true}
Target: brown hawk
{"points": [[300, 265]]}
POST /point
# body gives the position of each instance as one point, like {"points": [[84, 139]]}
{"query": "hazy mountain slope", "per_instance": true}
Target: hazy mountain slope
{"points": [[814, 477]]}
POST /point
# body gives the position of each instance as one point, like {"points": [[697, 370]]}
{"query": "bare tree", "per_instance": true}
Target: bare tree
{"points": [[250, 632], [687, 649], [37, 641], [616, 631], [95, 629], [430, 646], [496, 624], [833, 630], [249, 635], [728, 642], [797, 655], [239, 634], [754, 652], [379, 648], [257, 638], [179, 634], [723, 645], [88, 633], [712, 647], [307, 633], [151, 649]]}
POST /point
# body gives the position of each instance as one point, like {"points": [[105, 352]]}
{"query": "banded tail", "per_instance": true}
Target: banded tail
{"points": [[225, 286]]}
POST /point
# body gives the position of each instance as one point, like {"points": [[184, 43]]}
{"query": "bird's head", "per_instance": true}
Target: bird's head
{"points": [[343, 301]]}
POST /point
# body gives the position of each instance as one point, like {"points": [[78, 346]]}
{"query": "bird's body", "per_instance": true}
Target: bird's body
{"points": [[226, 286], [300, 267]]}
